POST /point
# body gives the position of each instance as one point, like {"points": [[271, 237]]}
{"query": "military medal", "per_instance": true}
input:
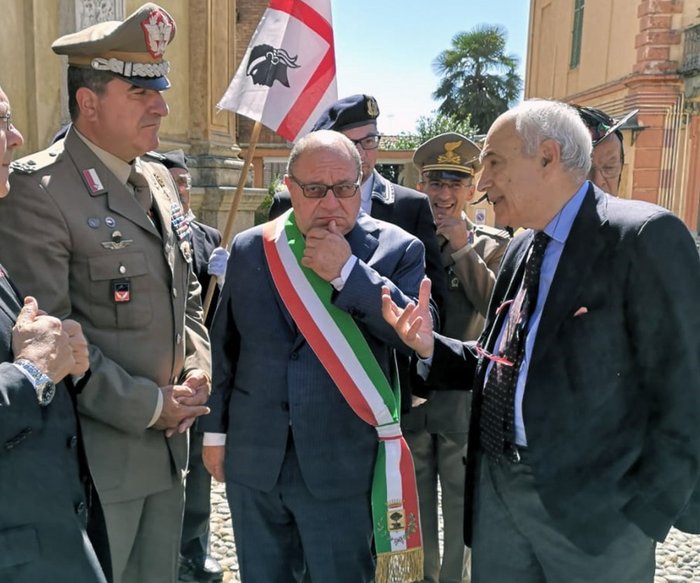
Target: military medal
{"points": [[117, 242], [180, 223]]}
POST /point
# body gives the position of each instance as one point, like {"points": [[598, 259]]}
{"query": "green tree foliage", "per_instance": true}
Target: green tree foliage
{"points": [[477, 76], [428, 126]]}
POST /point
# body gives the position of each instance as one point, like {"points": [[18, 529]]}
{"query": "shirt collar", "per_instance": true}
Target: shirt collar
{"points": [[115, 165], [560, 225]]}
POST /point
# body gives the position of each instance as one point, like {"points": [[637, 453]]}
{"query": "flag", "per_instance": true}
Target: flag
{"points": [[287, 75]]}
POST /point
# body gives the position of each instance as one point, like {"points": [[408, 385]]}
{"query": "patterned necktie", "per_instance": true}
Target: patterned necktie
{"points": [[498, 402], [142, 191]]}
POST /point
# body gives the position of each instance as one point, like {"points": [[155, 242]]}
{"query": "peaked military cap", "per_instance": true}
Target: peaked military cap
{"points": [[175, 159], [450, 152], [600, 124], [347, 113], [131, 50]]}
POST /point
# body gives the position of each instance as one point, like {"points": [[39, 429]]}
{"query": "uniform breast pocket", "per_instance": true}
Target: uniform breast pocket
{"points": [[120, 291]]}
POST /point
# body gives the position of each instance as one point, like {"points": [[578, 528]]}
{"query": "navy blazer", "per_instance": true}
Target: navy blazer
{"points": [[204, 240], [267, 378], [612, 399], [43, 509]]}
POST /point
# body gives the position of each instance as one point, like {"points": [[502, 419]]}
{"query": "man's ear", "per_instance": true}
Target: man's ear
{"points": [[471, 189], [420, 186], [549, 152], [88, 103]]}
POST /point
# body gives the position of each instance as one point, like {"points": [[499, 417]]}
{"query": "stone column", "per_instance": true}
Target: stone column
{"points": [[213, 156]]}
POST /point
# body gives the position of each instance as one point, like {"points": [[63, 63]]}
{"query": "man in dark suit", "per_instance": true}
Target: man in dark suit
{"points": [[298, 461], [44, 510], [589, 454], [208, 262]]}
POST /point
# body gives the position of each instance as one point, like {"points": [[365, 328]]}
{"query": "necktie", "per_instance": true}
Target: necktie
{"points": [[142, 192], [498, 403]]}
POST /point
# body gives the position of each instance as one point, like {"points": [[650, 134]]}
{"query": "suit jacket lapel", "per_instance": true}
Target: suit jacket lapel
{"points": [[507, 286], [119, 199], [582, 248]]}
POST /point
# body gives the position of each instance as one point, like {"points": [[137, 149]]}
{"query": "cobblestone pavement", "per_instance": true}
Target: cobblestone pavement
{"points": [[677, 560]]}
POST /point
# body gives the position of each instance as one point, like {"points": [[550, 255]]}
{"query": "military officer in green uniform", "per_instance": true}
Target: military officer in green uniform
{"points": [[98, 235], [437, 430]]}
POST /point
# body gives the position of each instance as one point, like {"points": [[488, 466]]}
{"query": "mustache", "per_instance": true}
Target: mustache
{"points": [[482, 199]]}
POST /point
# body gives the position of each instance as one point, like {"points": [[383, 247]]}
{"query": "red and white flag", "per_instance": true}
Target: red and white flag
{"points": [[287, 76]]}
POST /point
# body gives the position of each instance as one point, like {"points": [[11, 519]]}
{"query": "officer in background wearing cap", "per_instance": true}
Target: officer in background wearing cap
{"points": [[356, 118], [437, 430], [99, 235], [208, 259], [608, 157]]}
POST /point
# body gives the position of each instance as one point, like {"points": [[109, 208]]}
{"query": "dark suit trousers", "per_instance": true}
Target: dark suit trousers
{"points": [[279, 532], [195, 523], [515, 538]]}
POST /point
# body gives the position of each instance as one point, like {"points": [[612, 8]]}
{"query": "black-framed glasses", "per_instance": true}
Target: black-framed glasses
{"points": [[319, 190], [368, 142], [6, 121]]}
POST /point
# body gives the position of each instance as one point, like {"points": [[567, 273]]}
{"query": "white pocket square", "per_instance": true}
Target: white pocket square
{"points": [[581, 311]]}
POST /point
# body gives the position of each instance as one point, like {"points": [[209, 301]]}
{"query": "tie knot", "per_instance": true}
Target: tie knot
{"points": [[136, 179]]}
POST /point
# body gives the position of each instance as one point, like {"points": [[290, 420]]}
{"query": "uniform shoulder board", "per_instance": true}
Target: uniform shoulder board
{"points": [[38, 160], [493, 232]]}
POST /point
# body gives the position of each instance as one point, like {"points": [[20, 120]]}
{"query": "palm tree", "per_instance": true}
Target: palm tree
{"points": [[477, 77]]}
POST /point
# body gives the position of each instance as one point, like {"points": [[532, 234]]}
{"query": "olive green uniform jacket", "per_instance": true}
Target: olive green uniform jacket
{"points": [[82, 245]]}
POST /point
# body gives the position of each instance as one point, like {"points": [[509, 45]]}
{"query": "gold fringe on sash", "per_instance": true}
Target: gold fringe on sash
{"points": [[400, 567]]}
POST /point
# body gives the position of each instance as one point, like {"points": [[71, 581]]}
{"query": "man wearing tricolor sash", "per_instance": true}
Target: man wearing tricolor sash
{"points": [[318, 475]]}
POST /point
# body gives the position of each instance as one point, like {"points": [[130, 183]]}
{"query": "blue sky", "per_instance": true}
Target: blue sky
{"points": [[386, 49]]}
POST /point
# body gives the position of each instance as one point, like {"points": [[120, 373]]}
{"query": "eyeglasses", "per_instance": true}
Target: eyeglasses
{"points": [[454, 187], [184, 180], [368, 142], [318, 190], [7, 119], [607, 171]]}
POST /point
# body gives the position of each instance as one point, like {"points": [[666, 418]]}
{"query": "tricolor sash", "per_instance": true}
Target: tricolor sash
{"points": [[342, 349]]}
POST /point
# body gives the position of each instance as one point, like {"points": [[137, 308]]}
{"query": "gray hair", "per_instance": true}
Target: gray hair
{"points": [[537, 120], [324, 139]]}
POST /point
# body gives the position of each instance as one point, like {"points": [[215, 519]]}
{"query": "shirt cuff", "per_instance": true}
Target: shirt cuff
{"points": [[339, 282], [423, 366], [214, 439], [159, 408]]}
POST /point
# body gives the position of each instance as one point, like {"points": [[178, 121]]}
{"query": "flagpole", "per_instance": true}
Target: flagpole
{"points": [[233, 211]]}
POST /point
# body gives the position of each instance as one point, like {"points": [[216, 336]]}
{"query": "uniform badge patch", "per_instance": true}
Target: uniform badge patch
{"points": [[121, 290], [92, 180]]}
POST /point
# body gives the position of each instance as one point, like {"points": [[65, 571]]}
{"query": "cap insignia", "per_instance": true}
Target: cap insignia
{"points": [[372, 107], [157, 29], [450, 156]]}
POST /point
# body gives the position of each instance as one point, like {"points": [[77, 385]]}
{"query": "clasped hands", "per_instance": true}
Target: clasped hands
{"points": [[57, 348], [183, 403]]}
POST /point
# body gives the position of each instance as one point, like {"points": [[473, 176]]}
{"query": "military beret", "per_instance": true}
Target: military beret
{"points": [[600, 124], [174, 159], [131, 50], [347, 113], [450, 152]]}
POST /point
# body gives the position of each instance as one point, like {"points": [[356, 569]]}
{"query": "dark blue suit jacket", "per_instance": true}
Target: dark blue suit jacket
{"points": [[612, 398], [266, 376], [43, 506]]}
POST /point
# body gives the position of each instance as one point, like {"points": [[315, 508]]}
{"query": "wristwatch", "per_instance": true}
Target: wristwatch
{"points": [[43, 385]]}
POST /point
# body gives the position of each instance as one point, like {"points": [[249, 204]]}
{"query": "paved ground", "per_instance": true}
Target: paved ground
{"points": [[678, 559]]}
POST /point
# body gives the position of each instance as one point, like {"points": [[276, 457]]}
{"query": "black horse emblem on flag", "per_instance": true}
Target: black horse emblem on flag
{"points": [[268, 64]]}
